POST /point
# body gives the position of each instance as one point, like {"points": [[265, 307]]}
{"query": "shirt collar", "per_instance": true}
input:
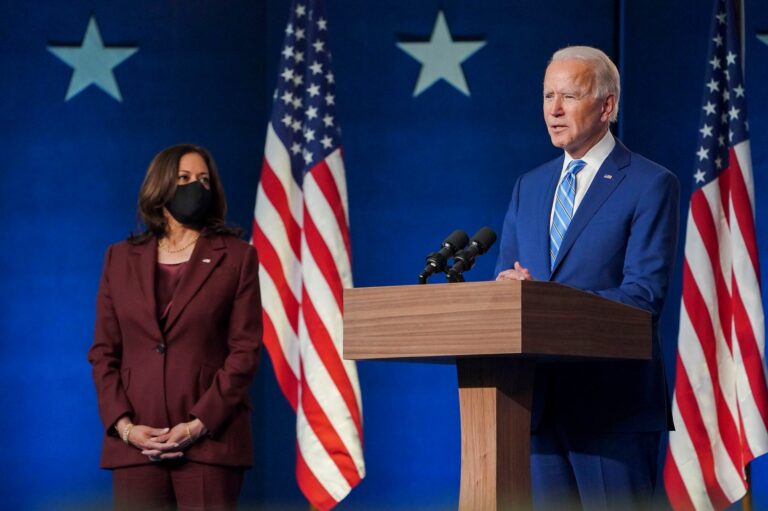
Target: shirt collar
{"points": [[597, 154]]}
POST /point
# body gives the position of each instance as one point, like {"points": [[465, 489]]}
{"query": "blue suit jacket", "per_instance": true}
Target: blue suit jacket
{"points": [[621, 245]]}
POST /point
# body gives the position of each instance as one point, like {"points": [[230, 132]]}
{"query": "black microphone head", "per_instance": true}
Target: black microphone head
{"points": [[458, 239], [484, 239]]}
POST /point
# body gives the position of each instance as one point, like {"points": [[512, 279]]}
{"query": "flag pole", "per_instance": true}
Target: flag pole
{"points": [[746, 503]]}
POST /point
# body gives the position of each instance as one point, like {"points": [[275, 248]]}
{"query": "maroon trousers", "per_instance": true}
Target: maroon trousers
{"points": [[184, 485]]}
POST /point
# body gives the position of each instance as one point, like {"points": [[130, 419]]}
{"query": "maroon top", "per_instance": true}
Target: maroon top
{"points": [[166, 280]]}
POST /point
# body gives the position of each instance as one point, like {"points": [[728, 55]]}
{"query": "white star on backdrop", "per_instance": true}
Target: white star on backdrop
{"points": [[92, 62], [441, 57]]}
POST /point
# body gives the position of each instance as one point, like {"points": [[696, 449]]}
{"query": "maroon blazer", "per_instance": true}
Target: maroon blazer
{"points": [[200, 365]]}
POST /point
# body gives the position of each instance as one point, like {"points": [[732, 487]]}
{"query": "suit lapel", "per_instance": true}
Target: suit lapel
{"points": [[541, 229], [601, 188], [206, 256]]}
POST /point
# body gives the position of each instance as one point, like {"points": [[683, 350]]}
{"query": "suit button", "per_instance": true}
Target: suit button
{"points": [[160, 348]]}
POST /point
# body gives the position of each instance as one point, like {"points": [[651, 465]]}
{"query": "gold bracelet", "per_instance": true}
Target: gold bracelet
{"points": [[127, 432], [189, 435]]}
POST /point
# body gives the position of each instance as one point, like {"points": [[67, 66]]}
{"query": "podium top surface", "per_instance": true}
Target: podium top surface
{"points": [[524, 318]]}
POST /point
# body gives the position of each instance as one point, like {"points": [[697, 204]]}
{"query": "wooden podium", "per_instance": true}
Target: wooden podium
{"points": [[495, 332]]}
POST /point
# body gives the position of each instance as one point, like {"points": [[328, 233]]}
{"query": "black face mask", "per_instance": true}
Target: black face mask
{"points": [[189, 204]]}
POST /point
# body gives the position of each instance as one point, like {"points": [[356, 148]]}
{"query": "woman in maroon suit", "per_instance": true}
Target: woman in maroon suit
{"points": [[176, 344]]}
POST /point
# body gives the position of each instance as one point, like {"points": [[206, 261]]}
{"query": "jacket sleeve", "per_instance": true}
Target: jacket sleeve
{"points": [[508, 251], [231, 383], [651, 247], [105, 355]]}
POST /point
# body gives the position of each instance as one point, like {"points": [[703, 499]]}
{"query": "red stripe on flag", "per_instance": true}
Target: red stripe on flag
{"points": [[676, 492], [311, 487], [703, 217], [702, 325], [746, 452], [327, 434], [750, 354], [286, 379], [742, 206], [694, 424], [323, 257], [278, 196], [270, 261], [328, 354], [325, 181]]}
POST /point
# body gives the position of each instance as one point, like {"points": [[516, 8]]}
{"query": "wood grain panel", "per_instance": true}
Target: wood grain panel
{"points": [[432, 320], [495, 397], [490, 318]]}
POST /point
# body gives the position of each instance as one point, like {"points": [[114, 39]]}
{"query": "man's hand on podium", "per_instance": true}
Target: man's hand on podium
{"points": [[516, 273]]}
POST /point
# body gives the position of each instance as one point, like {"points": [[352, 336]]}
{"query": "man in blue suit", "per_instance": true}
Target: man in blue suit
{"points": [[603, 219]]}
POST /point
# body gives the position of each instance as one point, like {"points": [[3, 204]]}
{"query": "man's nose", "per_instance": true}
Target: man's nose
{"points": [[556, 106]]}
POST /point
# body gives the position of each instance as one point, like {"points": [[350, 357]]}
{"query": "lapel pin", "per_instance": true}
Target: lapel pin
{"points": [[607, 176], [206, 260]]}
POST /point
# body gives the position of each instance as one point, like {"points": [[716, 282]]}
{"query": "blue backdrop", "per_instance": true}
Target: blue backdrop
{"points": [[417, 168]]}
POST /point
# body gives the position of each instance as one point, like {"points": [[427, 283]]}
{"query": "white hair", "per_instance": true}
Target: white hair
{"points": [[607, 80]]}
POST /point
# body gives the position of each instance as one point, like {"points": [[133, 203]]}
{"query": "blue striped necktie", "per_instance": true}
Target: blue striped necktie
{"points": [[564, 201]]}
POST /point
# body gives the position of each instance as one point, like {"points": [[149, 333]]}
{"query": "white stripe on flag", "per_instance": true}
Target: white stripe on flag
{"points": [[318, 460], [274, 230], [277, 156], [687, 462]]}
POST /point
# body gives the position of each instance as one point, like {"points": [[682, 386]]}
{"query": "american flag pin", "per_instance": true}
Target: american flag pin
{"points": [[607, 176], [206, 260]]}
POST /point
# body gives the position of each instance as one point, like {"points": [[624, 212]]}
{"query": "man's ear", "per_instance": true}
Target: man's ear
{"points": [[609, 106]]}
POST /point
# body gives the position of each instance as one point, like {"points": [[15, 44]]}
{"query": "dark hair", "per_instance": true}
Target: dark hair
{"points": [[159, 186]]}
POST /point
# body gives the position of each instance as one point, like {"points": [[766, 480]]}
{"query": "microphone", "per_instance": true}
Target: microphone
{"points": [[464, 260], [437, 261]]}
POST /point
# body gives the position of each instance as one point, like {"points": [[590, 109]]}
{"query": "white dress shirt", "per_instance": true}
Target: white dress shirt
{"points": [[594, 159]]}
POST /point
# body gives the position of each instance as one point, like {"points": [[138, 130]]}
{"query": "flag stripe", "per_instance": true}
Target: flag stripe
{"points": [[722, 422], [742, 206], [311, 487], [326, 351], [687, 461], [705, 232], [323, 258], [697, 430], [326, 182], [327, 435], [277, 196], [316, 457], [286, 379], [676, 487], [751, 358], [270, 260]]}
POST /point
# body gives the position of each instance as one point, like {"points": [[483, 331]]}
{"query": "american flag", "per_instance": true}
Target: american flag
{"points": [[720, 406], [301, 233]]}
